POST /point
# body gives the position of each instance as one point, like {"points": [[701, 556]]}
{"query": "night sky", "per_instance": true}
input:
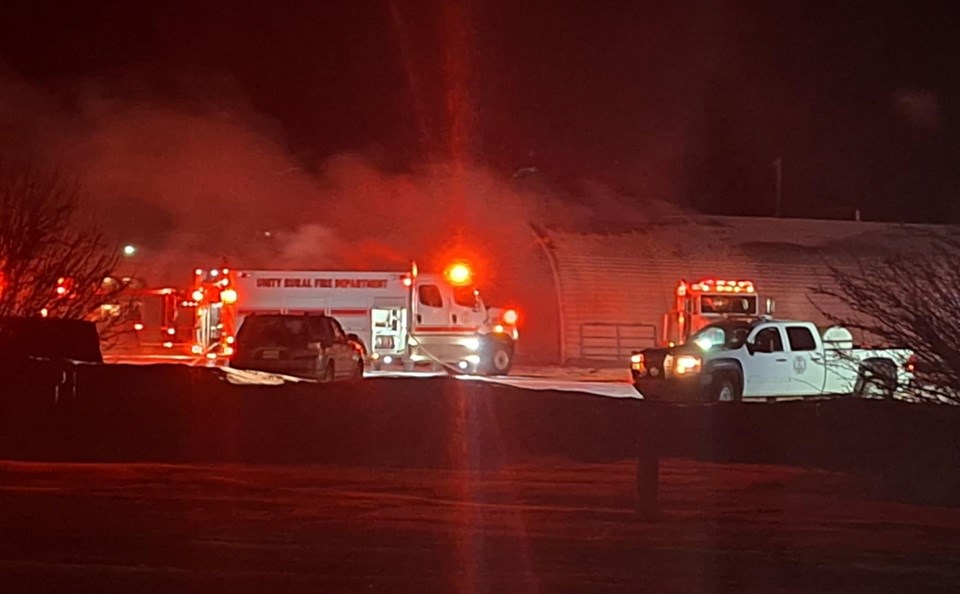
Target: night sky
{"points": [[688, 101]]}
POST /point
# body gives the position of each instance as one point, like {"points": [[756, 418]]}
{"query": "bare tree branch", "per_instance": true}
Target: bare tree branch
{"points": [[909, 300], [51, 263]]}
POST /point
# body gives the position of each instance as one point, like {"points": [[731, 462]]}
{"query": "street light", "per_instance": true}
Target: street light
{"points": [[129, 250]]}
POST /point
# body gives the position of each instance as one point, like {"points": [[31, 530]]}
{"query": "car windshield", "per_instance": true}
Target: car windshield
{"points": [[726, 335]]}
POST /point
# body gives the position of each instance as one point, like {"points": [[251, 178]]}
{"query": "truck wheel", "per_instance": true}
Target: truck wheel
{"points": [[876, 379], [497, 358], [725, 389], [358, 371]]}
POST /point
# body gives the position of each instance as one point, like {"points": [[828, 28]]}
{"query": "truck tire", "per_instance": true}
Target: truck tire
{"points": [[497, 358], [358, 371], [725, 388], [876, 378]]}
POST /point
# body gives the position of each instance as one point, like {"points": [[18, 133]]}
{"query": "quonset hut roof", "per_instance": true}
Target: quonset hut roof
{"points": [[614, 287]]}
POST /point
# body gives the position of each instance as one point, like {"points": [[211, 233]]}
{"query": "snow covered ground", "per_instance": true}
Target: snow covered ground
{"points": [[614, 383]]}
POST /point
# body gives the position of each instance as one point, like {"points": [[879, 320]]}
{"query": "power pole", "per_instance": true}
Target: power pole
{"points": [[778, 169]]}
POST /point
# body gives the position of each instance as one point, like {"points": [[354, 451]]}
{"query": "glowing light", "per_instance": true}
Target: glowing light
{"points": [[687, 364], [388, 359], [458, 274], [230, 340], [472, 343], [498, 328], [168, 345], [197, 295], [214, 272], [44, 313], [474, 359], [463, 365], [228, 296], [129, 250], [211, 356], [510, 317], [196, 349], [198, 271], [171, 331], [227, 351], [704, 343], [138, 326], [407, 281]]}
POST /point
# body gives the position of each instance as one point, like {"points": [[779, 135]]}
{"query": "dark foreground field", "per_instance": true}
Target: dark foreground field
{"points": [[548, 525], [166, 479]]}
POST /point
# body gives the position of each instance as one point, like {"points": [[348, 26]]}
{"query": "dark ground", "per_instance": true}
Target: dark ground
{"points": [[548, 525], [165, 478]]}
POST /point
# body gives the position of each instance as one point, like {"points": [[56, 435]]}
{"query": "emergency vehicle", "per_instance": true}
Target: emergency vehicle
{"points": [[153, 321], [400, 319], [707, 301]]}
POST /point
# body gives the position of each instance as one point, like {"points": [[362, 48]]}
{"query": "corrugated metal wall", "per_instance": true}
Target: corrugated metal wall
{"points": [[615, 288]]}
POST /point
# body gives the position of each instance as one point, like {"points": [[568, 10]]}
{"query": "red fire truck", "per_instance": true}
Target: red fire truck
{"points": [[706, 301], [401, 319]]}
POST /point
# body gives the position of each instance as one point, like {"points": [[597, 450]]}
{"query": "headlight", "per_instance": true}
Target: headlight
{"points": [[636, 361], [686, 364], [472, 343]]}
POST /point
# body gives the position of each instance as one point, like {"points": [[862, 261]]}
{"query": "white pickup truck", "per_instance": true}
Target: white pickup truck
{"points": [[766, 359]]}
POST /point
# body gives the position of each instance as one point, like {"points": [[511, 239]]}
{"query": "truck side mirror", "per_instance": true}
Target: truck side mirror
{"points": [[751, 347]]}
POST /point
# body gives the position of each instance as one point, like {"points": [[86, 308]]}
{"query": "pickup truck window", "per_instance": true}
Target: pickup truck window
{"points": [[801, 339], [726, 334], [768, 341]]}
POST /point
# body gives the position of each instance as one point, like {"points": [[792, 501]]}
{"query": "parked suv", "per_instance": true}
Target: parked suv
{"points": [[304, 345]]}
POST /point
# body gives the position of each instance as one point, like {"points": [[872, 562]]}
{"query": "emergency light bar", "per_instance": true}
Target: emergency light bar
{"points": [[720, 286]]}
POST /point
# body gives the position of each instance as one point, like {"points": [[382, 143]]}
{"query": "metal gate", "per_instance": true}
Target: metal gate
{"points": [[615, 342]]}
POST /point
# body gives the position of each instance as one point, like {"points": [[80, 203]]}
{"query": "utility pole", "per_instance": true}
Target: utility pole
{"points": [[778, 169]]}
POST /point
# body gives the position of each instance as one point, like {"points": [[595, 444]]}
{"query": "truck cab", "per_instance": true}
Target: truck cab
{"points": [[707, 301]]}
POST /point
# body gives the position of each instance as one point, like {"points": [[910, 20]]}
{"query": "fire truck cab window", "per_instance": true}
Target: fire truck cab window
{"points": [[768, 341], [801, 339], [430, 296], [466, 297], [728, 304]]}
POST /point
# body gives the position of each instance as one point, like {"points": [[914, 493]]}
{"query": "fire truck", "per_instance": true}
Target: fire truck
{"points": [[709, 300], [149, 321], [400, 319]]}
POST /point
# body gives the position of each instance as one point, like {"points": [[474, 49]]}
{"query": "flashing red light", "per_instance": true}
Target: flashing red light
{"points": [[228, 296], [910, 366], [510, 317], [458, 274], [197, 295], [171, 331], [138, 326], [407, 281]]}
